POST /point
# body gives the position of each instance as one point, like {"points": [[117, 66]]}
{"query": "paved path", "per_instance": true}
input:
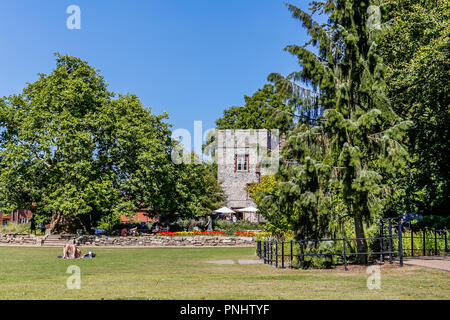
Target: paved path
{"points": [[441, 262]]}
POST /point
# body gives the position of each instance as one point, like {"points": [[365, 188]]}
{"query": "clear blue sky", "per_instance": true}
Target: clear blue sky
{"points": [[191, 58]]}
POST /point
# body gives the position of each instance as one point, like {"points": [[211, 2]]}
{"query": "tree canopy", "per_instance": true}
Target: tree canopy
{"points": [[267, 108], [71, 149], [414, 45]]}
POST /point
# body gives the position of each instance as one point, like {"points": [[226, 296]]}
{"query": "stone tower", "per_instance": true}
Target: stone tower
{"points": [[243, 156]]}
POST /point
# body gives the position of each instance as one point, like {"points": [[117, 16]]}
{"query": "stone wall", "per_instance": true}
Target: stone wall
{"points": [[23, 239], [16, 239], [165, 241]]}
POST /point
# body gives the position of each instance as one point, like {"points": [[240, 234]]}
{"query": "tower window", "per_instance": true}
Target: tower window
{"points": [[242, 163]]}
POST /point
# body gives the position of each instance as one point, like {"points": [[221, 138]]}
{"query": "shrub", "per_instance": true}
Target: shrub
{"points": [[108, 222], [180, 225], [194, 233], [16, 228], [223, 226], [239, 226], [319, 262]]}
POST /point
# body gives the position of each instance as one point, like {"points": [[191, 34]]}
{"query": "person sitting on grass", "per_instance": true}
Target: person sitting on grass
{"points": [[74, 252]]}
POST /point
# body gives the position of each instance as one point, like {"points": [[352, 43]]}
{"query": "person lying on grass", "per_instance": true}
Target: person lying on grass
{"points": [[75, 252]]}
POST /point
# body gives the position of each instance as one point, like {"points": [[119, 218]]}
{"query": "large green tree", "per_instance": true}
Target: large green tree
{"points": [[73, 151], [197, 189], [414, 45], [345, 155]]}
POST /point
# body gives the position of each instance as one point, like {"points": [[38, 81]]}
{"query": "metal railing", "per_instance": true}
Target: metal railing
{"points": [[388, 246], [425, 242]]}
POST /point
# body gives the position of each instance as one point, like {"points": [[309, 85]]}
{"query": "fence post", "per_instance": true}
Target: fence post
{"points": [[345, 255], [292, 251], [381, 250], [424, 250], [446, 233], [302, 259], [282, 254], [271, 252], [258, 247], [390, 241], [264, 251], [400, 243], [381, 240], [412, 243], [276, 254], [435, 242]]}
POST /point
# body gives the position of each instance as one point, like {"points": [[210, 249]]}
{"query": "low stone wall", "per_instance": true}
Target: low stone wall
{"points": [[166, 241], [21, 239]]}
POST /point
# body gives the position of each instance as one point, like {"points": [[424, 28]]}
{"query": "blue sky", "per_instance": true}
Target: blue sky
{"points": [[190, 58]]}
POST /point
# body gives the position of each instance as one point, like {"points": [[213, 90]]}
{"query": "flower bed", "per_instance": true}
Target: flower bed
{"points": [[246, 234]]}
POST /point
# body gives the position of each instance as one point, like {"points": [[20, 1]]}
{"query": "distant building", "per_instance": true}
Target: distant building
{"points": [[243, 157], [141, 216], [17, 216]]}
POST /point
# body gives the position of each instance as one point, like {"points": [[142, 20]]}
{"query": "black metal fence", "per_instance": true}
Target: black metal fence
{"points": [[425, 243], [392, 242]]}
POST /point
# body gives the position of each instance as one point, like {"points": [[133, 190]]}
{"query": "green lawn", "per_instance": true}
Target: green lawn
{"points": [[181, 273]]}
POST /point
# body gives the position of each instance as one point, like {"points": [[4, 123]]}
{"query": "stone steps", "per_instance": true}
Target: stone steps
{"points": [[55, 240], [53, 244]]}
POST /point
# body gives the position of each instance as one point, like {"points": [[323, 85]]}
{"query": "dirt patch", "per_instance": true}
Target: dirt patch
{"points": [[357, 268]]}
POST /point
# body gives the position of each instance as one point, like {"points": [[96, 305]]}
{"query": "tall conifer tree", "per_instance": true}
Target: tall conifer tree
{"points": [[345, 152]]}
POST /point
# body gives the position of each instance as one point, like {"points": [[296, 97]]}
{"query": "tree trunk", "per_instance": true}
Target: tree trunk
{"points": [[68, 224], [361, 244]]}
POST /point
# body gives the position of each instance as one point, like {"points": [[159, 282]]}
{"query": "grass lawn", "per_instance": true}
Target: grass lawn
{"points": [[181, 273]]}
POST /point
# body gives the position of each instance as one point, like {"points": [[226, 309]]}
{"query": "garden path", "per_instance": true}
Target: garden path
{"points": [[435, 262]]}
